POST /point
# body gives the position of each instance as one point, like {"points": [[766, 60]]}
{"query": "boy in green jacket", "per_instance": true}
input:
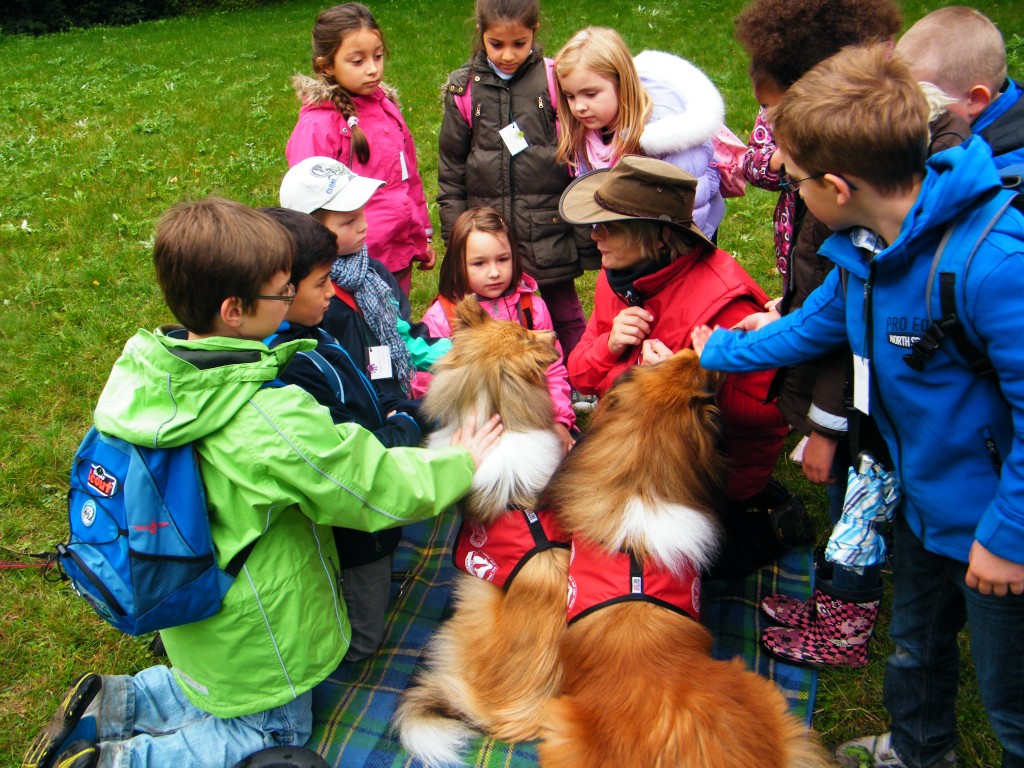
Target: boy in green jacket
{"points": [[275, 467]]}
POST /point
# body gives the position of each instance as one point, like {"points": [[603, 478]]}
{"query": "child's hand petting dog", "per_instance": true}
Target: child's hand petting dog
{"points": [[699, 336], [478, 442], [563, 435]]}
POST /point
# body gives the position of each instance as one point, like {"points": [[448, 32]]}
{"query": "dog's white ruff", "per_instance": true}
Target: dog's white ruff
{"points": [[677, 535], [519, 465]]}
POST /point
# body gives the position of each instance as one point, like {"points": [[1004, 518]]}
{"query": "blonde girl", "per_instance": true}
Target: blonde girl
{"points": [[482, 260], [349, 114], [657, 105]]}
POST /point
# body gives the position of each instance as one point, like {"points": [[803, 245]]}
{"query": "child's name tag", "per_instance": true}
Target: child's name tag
{"points": [[378, 363], [861, 384], [514, 138]]}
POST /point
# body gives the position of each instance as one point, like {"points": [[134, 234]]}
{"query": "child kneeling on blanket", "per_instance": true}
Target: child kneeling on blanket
{"points": [[275, 468], [855, 133]]}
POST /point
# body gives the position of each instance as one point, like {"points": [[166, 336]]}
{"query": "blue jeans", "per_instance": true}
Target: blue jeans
{"points": [[931, 603], [145, 720]]}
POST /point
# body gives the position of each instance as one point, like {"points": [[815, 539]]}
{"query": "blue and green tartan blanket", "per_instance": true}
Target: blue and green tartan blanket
{"points": [[352, 708]]}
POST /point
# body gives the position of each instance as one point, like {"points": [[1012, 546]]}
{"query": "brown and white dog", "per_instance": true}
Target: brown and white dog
{"points": [[639, 687], [493, 665]]}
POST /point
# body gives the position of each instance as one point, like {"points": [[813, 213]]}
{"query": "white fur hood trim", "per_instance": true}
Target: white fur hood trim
{"points": [[313, 91], [688, 108]]}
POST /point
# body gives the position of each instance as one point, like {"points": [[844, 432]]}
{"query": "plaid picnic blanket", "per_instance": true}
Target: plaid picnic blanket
{"points": [[353, 707]]}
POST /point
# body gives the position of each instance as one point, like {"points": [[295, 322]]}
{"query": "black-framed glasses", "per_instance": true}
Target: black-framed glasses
{"points": [[288, 294], [789, 184]]}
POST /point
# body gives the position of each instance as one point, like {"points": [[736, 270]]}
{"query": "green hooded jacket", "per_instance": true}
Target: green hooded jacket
{"points": [[274, 467]]}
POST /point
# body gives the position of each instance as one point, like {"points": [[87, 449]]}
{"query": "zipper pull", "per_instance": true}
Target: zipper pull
{"points": [[540, 103], [477, 113]]}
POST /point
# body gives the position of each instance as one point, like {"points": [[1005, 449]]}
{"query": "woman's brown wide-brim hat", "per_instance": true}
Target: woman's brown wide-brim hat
{"points": [[638, 187]]}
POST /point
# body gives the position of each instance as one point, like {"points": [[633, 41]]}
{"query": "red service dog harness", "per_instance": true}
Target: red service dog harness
{"points": [[498, 551], [597, 580]]}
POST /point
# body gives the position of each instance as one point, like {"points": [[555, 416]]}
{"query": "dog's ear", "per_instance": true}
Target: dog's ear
{"points": [[469, 313]]}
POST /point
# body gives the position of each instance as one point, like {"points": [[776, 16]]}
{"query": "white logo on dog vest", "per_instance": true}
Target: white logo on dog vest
{"points": [[570, 599], [481, 565], [477, 533]]}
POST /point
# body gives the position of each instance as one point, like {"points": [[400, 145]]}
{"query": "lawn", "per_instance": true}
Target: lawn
{"points": [[102, 130]]}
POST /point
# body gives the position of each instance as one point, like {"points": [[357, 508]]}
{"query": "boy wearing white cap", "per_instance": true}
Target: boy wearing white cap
{"points": [[369, 314]]}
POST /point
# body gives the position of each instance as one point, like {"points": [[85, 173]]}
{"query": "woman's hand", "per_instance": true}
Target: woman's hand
{"points": [[629, 328], [654, 351]]}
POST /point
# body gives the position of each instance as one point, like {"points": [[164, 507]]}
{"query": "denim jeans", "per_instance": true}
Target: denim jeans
{"points": [[145, 720], [931, 603]]}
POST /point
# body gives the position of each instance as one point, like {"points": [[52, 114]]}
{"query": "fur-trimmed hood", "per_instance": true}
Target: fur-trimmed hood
{"points": [[688, 108], [313, 91]]}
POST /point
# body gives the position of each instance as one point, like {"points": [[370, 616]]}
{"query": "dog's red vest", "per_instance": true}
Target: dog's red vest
{"points": [[597, 580], [498, 551]]}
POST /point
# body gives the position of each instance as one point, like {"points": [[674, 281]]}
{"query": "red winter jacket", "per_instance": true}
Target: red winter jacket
{"points": [[711, 288]]}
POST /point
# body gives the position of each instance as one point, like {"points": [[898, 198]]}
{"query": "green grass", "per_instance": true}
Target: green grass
{"points": [[102, 130]]}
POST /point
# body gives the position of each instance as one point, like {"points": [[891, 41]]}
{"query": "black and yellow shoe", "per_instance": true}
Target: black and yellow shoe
{"points": [[49, 743], [79, 754]]}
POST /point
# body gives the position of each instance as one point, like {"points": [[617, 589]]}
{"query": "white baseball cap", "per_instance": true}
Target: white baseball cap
{"points": [[322, 182]]}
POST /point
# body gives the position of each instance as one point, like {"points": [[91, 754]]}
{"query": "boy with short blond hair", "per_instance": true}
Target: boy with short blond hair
{"points": [[956, 437], [277, 472], [961, 51]]}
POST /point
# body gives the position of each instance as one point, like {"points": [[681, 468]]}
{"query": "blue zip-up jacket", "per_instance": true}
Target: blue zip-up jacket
{"points": [[957, 439], [1002, 126], [359, 403]]}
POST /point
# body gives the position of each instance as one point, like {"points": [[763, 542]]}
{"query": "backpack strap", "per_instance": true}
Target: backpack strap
{"points": [[448, 307], [329, 371], [950, 325], [524, 308]]}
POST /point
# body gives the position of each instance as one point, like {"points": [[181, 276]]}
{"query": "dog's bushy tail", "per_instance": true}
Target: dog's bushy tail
{"points": [[428, 730]]}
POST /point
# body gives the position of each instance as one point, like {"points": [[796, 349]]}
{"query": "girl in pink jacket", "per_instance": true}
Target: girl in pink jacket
{"points": [[482, 260], [347, 114]]}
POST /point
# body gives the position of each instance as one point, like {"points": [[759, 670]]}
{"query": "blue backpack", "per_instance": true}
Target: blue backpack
{"points": [[140, 549]]}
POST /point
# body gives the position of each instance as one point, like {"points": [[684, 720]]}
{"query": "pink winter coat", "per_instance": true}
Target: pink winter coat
{"points": [[505, 308], [396, 215]]}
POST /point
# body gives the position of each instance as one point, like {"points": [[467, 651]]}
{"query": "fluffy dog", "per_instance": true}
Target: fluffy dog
{"points": [[639, 686], [494, 663]]}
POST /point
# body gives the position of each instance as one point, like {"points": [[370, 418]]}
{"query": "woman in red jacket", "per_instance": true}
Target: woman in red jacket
{"points": [[660, 278]]}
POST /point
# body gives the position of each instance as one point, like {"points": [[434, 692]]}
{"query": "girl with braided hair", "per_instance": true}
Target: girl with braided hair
{"points": [[349, 114]]}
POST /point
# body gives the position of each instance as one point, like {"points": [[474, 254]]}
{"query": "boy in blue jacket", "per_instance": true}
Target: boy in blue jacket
{"points": [[955, 436], [962, 52], [332, 377]]}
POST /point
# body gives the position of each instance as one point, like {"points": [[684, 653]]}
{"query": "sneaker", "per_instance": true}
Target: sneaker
{"points": [[797, 454], [64, 724], [79, 754], [876, 752], [582, 403]]}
